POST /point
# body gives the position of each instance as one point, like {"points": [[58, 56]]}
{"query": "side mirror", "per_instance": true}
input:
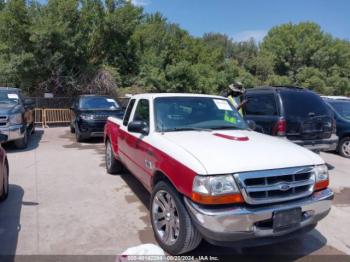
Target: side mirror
{"points": [[3, 138], [28, 102], [138, 127], [251, 124]]}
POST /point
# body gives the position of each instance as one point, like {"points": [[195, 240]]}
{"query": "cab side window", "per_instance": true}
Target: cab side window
{"points": [[128, 112], [261, 105], [142, 111]]}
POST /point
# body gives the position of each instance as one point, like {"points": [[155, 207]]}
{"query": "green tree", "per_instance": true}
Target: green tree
{"points": [[293, 46], [263, 66], [221, 42]]}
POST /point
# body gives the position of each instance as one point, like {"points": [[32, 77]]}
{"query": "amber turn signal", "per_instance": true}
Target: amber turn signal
{"points": [[217, 200], [321, 185]]}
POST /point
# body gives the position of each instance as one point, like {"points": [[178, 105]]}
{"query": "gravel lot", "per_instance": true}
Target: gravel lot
{"points": [[62, 201]]}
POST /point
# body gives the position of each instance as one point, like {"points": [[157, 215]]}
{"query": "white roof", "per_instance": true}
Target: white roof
{"points": [[155, 95]]}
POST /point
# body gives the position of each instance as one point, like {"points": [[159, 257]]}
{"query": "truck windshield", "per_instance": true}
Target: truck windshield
{"points": [[195, 113], [9, 98], [342, 108], [100, 103]]}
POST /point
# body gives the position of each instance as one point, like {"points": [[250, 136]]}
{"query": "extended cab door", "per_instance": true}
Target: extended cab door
{"points": [[124, 139], [142, 162]]}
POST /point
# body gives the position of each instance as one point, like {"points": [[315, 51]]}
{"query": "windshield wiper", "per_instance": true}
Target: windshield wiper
{"points": [[185, 129]]}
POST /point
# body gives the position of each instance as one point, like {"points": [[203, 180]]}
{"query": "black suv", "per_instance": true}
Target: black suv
{"points": [[90, 113], [341, 109], [295, 113], [16, 116]]}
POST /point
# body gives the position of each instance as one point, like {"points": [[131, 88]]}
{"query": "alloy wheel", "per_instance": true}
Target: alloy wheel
{"points": [[346, 148], [109, 155], [165, 217]]}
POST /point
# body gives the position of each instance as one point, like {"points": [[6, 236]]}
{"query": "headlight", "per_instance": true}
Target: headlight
{"points": [[215, 190], [321, 173], [322, 177], [87, 117], [16, 119]]}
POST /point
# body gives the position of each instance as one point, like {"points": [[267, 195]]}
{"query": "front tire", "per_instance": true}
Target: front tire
{"points": [[113, 166], [23, 142], [72, 129], [171, 223], [78, 137], [344, 147], [5, 184]]}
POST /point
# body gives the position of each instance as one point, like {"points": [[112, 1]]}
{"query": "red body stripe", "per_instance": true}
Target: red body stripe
{"points": [[235, 138], [135, 152]]}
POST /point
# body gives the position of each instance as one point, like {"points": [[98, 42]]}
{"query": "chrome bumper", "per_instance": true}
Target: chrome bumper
{"points": [[329, 144], [236, 223], [13, 132]]}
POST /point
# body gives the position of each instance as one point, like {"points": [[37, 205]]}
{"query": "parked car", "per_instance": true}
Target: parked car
{"points": [[341, 109], [90, 113], [16, 116], [4, 170], [297, 114], [212, 177]]}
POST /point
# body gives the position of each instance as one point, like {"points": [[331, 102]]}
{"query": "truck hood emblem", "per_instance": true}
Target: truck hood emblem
{"points": [[284, 187]]}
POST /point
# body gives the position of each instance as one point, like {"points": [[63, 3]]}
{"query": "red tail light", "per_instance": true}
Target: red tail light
{"points": [[280, 128]]}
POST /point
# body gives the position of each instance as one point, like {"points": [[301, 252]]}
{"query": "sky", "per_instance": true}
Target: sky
{"points": [[242, 19]]}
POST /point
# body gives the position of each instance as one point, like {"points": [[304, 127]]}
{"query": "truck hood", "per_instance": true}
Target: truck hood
{"points": [[9, 109], [223, 152]]}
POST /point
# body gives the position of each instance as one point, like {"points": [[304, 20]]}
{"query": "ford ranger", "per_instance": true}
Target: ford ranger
{"points": [[213, 177]]}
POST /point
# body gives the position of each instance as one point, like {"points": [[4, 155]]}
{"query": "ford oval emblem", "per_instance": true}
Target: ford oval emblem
{"points": [[284, 187]]}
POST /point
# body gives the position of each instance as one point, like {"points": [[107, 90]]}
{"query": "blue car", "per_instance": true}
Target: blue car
{"points": [[341, 108]]}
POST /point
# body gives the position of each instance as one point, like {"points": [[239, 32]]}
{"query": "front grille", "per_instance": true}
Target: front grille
{"points": [[3, 120], [100, 117], [271, 186]]}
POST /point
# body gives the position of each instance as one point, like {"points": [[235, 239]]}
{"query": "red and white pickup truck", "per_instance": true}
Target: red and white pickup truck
{"points": [[213, 177]]}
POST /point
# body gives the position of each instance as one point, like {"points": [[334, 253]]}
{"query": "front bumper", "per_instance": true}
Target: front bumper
{"points": [[91, 128], [329, 144], [14, 132], [243, 224]]}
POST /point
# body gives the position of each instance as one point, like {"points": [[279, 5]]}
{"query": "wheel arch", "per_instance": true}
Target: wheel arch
{"points": [[344, 135], [158, 176]]}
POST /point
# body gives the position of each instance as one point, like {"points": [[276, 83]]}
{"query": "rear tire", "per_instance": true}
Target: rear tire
{"points": [[23, 142], [113, 165], [5, 184], [344, 147], [171, 223]]}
